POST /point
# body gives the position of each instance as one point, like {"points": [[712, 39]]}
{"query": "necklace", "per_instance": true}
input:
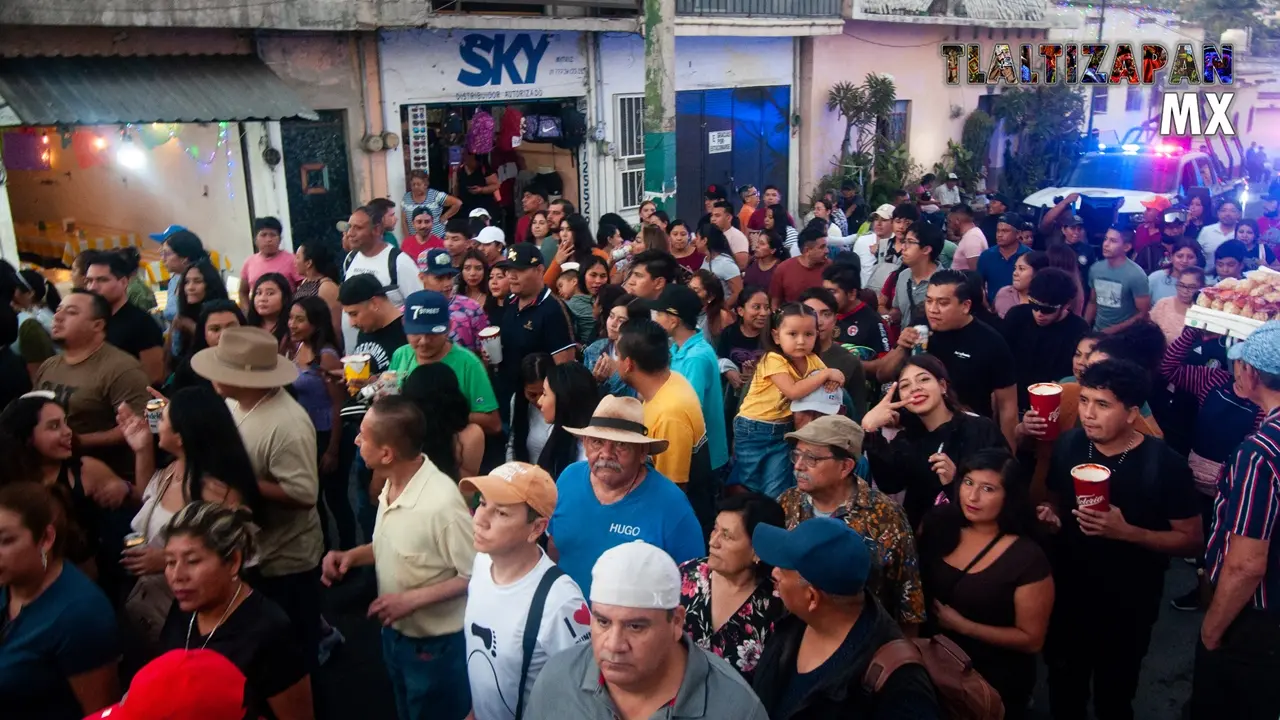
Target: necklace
{"points": [[255, 407], [191, 625], [1132, 439]]}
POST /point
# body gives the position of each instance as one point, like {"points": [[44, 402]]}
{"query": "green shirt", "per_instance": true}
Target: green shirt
{"points": [[472, 377], [390, 238], [948, 254], [140, 295]]}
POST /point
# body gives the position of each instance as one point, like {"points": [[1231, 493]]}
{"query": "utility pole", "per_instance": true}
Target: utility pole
{"points": [[660, 102], [1102, 19]]}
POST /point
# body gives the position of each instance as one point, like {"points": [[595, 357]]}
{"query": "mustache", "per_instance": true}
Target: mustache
{"points": [[803, 476], [607, 465], [612, 658]]}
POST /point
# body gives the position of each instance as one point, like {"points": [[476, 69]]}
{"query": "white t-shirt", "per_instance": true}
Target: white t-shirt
{"points": [[407, 282], [971, 245], [1211, 236], [495, 620], [865, 247], [723, 267], [944, 195], [737, 241]]}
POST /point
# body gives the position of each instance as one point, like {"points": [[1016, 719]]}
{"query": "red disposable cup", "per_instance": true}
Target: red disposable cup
{"points": [[1093, 486], [1046, 400]]}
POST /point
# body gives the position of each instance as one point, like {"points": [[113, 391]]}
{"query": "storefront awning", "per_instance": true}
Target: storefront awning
{"points": [[116, 90]]}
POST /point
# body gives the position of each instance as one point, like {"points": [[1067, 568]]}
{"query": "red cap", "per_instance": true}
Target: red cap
{"points": [[182, 685], [1157, 202]]}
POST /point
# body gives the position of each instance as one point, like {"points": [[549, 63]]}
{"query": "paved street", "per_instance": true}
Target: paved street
{"points": [[353, 685]]}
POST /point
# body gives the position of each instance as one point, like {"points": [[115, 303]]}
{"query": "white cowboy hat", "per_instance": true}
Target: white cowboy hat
{"points": [[620, 419]]}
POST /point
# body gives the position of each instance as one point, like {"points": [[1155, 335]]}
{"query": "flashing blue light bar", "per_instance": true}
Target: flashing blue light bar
{"points": [[1130, 148]]}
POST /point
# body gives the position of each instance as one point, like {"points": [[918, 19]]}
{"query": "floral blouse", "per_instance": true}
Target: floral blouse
{"points": [[740, 640]]}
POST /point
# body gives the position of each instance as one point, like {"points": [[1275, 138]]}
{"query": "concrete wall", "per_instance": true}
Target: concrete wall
{"points": [[337, 71], [907, 53], [172, 187]]}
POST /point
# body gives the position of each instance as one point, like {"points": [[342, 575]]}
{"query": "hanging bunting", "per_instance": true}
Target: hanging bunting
{"points": [[24, 151], [89, 148]]}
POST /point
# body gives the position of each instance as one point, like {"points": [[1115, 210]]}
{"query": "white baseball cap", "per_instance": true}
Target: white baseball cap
{"points": [[884, 212], [636, 575], [479, 212], [820, 401], [952, 176], [491, 235]]}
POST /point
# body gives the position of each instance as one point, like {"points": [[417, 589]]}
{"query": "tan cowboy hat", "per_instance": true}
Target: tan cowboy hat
{"points": [[246, 357], [620, 419]]}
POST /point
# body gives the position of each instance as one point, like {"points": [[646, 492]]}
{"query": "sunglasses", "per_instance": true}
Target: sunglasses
{"points": [[1044, 309]]}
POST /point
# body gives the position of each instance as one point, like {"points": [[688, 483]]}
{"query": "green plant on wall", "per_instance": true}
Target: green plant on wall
{"points": [[968, 158], [861, 106], [1044, 124]]}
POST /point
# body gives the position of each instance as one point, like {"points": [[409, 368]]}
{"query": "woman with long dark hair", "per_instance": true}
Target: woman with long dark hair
{"points": [[317, 264], [712, 319], [935, 435], [529, 431], [683, 247], [767, 250], [713, 243], [44, 451], [577, 243], [777, 223], [269, 307], [988, 582], [210, 464], [473, 279], [313, 347], [453, 444], [569, 397], [215, 316], [200, 283], [598, 357], [1024, 268]]}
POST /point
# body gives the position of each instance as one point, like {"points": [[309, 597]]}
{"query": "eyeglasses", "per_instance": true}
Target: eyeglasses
{"points": [[595, 444], [911, 242], [1044, 309], [807, 460]]}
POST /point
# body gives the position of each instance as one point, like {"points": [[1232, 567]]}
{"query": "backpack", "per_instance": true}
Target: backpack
{"points": [[573, 128], [392, 271], [963, 694], [541, 128], [480, 134], [534, 620], [511, 129], [453, 129]]}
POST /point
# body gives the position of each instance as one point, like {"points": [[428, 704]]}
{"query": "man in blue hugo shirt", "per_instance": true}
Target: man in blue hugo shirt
{"points": [[677, 310], [615, 497], [1236, 660]]}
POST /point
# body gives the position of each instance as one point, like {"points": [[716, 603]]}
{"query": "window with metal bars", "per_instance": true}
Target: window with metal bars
{"points": [[629, 143], [1133, 99], [895, 126]]}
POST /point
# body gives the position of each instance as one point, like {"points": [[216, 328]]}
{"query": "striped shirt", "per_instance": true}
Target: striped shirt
{"points": [[1248, 505]]}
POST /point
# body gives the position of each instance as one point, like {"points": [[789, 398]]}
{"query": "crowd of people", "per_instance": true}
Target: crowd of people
{"points": [[737, 467]]}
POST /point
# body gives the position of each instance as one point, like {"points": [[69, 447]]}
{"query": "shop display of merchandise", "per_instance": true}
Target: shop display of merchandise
{"points": [[1256, 297]]}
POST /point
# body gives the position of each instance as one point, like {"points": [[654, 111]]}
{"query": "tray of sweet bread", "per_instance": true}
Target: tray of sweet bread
{"points": [[1255, 297]]}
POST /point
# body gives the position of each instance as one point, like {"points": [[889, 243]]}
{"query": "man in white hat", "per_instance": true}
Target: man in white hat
{"points": [[614, 496], [640, 663], [875, 249], [247, 369], [492, 242], [948, 193]]}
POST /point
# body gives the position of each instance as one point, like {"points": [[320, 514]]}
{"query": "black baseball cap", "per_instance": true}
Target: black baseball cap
{"points": [[422, 210], [1013, 219], [1073, 221], [716, 192], [677, 300], [521, 256], [361, 288], [1000, 197]]}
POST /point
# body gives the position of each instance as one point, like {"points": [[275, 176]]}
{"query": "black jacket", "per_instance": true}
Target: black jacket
{"points": [[907, 695], [903, 463]]}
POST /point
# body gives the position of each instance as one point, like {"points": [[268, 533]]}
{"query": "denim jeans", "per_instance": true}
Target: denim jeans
{"points": [[761, 456], [428, 675], [350, 463]]}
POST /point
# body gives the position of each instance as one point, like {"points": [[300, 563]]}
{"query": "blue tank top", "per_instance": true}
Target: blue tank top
{"points": [[313, 394]]}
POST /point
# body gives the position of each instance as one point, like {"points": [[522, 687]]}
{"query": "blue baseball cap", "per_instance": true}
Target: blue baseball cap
{"points": [[1261, 350], [828, 554], [170, 231], [436, 261], [426, 312]]}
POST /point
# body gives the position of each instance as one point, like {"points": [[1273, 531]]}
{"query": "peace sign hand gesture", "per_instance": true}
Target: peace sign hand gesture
{"points": [[885, 413]]}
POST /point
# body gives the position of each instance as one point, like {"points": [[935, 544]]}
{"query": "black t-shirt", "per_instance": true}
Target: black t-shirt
{"points": [[471, 201], [978, 360], [1151, 485], [133, 331], [15, 381], [1041, 354], [256, 638], [862, 332], [739, 349], [379, 345]]}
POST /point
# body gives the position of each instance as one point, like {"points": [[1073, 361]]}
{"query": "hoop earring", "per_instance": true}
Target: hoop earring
{"points": [[44, 559]]}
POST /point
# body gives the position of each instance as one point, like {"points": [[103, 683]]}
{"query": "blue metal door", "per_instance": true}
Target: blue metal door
{"points": [[730, 137]]}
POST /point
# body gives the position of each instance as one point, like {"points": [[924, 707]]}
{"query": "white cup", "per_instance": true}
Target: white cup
{"points": [[492, 344]]}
